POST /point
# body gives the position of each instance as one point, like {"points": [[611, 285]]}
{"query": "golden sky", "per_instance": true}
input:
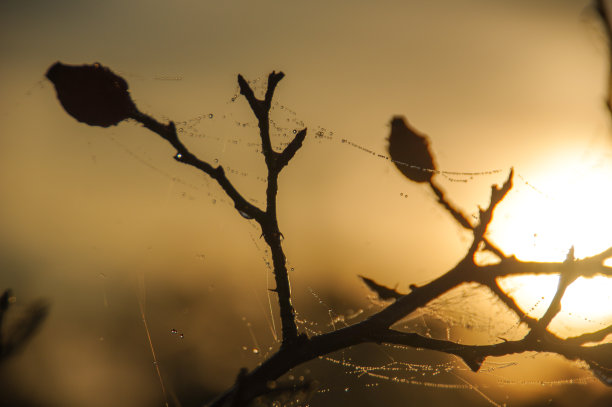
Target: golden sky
{"points": [[89, 211]]}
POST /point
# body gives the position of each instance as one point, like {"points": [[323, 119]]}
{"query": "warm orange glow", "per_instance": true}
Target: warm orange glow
{"points": [[569, 208], [584, 308]]}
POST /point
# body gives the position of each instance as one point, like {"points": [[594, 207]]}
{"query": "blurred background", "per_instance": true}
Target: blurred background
{"points": [[107, 228]]}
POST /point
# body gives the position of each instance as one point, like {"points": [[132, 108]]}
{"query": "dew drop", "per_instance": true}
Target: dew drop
{"points": [[346, 389], [244, 348], [181, 336], [292, 268], [173, 331], [210, 116], [255, 351], [178, 156], [216, 161], [245, 215], [294, 131]]}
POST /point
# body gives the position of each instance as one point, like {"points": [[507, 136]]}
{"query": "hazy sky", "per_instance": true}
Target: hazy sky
{"points": [[86, 210]]}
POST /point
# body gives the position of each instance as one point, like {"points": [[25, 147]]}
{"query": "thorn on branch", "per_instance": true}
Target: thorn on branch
{"points": [[291, 149], [497, 194], [273, 79], [384, 293], [473, 360]]}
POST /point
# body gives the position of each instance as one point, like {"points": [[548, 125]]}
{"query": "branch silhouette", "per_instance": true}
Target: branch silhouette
{"points": [[15, 336], [602, 9], [411, 154]]}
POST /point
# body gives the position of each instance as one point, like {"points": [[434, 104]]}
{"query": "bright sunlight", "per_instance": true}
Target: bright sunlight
{"points": [[565, 208]]}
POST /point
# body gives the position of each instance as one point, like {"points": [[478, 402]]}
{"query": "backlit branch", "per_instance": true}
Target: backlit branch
{"points": [[274, 162], [93, 94], [96, 96]]}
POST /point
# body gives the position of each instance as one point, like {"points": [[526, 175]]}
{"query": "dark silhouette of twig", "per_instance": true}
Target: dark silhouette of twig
{"points": [[384, 293], [15, 336], [418, 165], [602, 10]]}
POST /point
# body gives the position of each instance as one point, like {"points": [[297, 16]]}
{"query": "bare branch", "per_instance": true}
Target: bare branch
{"points": [[17, 335], [590, 337], [497, 194], [568, 275], [183, 155], [493, 285], [602, 10], [459, 217], [296, 349]]}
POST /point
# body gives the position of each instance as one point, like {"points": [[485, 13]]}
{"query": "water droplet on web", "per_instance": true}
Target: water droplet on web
{"points": [[173, 331], [346, 389], [210, 116], [255, 351], [245, 215], [181, 336], [178, 156], [294, 131], [244, 348], [216, 161], [291, 377]]}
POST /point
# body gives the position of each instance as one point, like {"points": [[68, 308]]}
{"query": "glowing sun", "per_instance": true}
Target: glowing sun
{"points": [[541, 221]]}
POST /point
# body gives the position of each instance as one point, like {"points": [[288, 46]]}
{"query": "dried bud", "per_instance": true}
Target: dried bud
{"points": [[410, 151], [92, 94]]}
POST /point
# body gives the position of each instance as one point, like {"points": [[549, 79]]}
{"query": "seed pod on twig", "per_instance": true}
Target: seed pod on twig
{"points": [[92, 94], [409, 151]]}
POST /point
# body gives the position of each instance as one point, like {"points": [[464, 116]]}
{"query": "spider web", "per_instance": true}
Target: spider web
{"points": [[225, 138]]}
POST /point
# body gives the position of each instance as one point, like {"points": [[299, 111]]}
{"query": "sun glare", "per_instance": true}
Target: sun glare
{"points": [[541, 222]]}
